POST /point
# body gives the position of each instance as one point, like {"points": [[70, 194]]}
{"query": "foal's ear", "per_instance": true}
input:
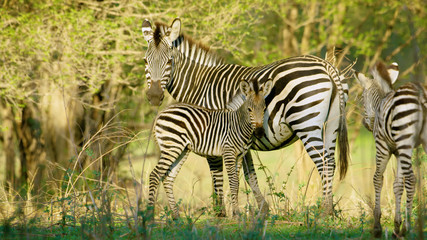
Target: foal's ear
{"points": [[393, 72], [266, 89], [147, 30], [174, 31], [245, 88]]}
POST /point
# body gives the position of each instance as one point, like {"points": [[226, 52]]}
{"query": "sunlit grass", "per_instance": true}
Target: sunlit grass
{"points": [[287, 180]]}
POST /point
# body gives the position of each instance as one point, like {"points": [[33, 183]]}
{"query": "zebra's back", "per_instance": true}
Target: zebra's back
{"points": [[201, 130], [402, 117]]}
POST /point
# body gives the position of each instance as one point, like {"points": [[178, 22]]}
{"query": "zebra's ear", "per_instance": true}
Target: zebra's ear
{"points": [[267, 87], [363, 80], [147, 30], [245, 88], [393, 71], [174, 30]]}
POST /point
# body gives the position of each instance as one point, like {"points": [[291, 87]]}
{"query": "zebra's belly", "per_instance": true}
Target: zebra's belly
{"points": [[281, 137], [205, 151], [218, 150]]}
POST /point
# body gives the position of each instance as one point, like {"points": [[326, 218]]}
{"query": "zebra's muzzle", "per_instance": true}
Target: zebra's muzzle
{"points": [[259, 132], [155, 94]]}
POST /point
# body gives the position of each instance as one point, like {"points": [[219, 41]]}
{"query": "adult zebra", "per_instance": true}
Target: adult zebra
{"points": [[182, 127], [307, 101], [398, 121]]}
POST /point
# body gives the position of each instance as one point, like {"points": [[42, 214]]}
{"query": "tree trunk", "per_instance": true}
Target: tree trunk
{"points": [[6, 115], [31, 146], [290, 42]]}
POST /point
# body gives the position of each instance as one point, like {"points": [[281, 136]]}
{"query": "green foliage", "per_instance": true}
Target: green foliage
{"points": [[80, 49]]}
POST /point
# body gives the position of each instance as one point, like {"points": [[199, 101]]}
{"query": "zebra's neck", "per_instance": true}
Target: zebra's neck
{"points": [[373, 98], [195, 72], [196, 52], [377, 95]]}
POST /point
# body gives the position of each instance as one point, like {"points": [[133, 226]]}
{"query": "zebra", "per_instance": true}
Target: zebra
{"points": [[397, 119], [307, 100], [182, 128]]}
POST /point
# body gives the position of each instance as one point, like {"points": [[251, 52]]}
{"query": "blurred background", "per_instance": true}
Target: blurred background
{"points": [[75, 122]]}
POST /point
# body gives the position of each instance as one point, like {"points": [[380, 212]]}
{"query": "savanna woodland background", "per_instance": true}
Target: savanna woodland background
{"points": [[75, 123]]}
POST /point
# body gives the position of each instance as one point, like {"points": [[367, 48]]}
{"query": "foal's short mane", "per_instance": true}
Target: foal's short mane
{"points": [[255, 86], [184, 38]]}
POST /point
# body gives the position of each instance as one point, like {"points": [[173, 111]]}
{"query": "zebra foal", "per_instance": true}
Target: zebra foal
{"points": [[397, 119], [215, 133]]}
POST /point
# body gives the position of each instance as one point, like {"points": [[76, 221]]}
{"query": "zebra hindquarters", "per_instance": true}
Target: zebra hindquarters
{"points": [[315, 123], [405, 129]]}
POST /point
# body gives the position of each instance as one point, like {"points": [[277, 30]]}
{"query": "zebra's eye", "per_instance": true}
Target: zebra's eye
{"points": [[167, 33]]}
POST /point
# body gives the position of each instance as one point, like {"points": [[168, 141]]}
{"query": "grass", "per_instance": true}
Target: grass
{"points": [[112, 207]]}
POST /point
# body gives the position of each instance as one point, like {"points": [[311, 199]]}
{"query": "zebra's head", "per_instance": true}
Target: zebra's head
{"points": [[255, 103], [375, 89], [158, 57]]}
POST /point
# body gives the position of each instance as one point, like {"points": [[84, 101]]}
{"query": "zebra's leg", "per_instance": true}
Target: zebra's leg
{"points": [[325, 165], [216, 168], [170, 179], [168, 155], [230, 163], [410, 191], [398, 192], [317, 135], [405, 178], [382, 157], [251, 179]]}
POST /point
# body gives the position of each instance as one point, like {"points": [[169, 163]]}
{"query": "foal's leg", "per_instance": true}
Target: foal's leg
{"points": [[230, 163], [405, 179], [410, 191], [251, 179], [168, 155], [170, 179], [382, 157]]}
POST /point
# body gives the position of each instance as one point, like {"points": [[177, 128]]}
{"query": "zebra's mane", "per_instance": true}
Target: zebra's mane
{"points": [[190, 48]]}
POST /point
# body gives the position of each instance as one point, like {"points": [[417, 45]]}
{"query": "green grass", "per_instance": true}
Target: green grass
{"points": [[204, 228], [285, 176]]}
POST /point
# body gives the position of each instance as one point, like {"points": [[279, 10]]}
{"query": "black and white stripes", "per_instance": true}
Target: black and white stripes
{"points": [[307, 101], [214, 133], [397, 118]]}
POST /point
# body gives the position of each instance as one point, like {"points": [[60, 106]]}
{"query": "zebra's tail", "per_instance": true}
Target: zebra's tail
{"points": [[340, 81], [342, 134]]}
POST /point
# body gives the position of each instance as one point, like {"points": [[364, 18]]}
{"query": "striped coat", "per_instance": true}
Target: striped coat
{"points": [[182, 127], [397, 119]]}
